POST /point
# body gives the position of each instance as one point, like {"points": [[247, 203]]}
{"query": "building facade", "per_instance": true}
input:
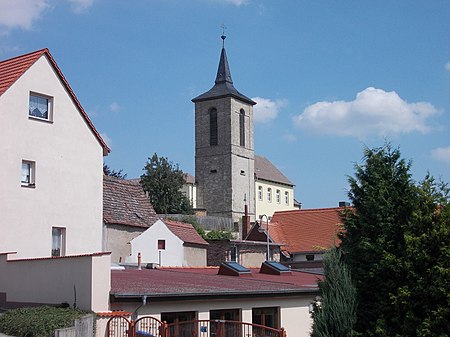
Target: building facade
{"points": [[52, 156]]}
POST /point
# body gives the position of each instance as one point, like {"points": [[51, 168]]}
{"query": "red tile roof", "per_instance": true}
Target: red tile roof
{"points": [[12, 69], [310, 229], [186, 232], [125, 203], [305, 230], [204, 282]]}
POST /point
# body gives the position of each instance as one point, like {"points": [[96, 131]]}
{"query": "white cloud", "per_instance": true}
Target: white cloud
{"points": [[79, 6], [114, 107], [442, 154], [447, 66], [21, 13], [107, 140], [266, 110], [373, 112]]}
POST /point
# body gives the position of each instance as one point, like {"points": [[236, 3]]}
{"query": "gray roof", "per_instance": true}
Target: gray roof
{"points": [[223, 86], [265, 170]]}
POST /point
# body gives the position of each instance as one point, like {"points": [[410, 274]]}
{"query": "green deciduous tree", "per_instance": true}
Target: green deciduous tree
{"points": [[396, 245], [163, 181], [336, 314]]}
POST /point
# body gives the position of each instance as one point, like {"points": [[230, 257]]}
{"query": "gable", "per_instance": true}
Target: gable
{"points": [[12, 70]]}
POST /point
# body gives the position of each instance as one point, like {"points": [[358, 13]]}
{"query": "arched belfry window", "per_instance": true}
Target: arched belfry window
{"points": [[242, 127], [213, 126]]}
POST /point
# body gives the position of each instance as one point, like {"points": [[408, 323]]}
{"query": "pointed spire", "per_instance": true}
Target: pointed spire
{"points": [[223, 72], [223, 86]]}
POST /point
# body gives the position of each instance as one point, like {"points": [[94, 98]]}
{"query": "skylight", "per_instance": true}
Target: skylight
{"points": [[233, 269], [274, 268]]}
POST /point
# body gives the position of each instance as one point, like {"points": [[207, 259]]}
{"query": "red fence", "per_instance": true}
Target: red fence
{"points": [[151, 327]]}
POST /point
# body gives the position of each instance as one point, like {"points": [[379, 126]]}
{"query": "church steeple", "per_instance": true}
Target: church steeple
{"points": [[223, 72], [223, 86]]}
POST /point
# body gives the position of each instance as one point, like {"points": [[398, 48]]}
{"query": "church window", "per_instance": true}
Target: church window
{"points": [[213, 127], [242, 127]]}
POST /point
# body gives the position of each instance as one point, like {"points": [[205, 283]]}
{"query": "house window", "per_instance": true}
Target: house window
{"points": [[227, 330], [260, 193], [269, 195], [28, 173], [269, 317], [40, 106], [234, 254], [278, 196], [309, 257], [58, 241], [213, 127], [162, 244], [242, 127], [286, 197]]}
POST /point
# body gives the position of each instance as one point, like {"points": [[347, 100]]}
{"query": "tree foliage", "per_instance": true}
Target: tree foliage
{"points": [[336, 314], [107, 171], [396, 243], [163, 181]]}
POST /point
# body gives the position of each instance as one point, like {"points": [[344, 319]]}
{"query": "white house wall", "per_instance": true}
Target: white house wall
{"points": [[147, 245], [68, 159], [294, 310]]}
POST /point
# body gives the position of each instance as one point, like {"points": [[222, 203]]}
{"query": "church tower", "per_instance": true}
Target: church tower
{"points": [[224, 152]]}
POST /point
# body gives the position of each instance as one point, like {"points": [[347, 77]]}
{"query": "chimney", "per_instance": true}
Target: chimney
{"points": [[245, 223]]}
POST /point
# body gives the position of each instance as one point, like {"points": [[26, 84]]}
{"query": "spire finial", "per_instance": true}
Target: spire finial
{"points": [[223, 37]]}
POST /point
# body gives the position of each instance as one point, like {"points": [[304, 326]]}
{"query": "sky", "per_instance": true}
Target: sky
{"points": [[330, 78]]}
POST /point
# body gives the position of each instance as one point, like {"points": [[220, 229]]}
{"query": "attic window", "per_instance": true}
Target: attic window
{"points": [[274, 268], [242, 173], [232, 268], [309, 257], [40, 107]]}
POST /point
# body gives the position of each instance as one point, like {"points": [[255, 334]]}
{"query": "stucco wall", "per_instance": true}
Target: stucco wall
{"points": [[68, 160], [117, 238], [294, 311], [194, 256], [268, 208], [56, 280]]}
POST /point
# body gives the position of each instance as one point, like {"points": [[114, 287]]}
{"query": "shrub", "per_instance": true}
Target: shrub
{"points": [[37, 321]]}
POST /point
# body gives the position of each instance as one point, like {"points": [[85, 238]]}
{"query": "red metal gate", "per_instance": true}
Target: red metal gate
{"points": [[146, 326]]}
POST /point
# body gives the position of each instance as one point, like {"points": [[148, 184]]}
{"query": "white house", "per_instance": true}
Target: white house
{"points": [[170, 243], [52, 156]]}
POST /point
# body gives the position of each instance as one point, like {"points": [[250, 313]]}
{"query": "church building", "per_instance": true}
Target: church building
{"points": [[224, 152]]}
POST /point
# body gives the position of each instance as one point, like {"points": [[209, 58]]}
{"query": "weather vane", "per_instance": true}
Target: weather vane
{"points": [[223, 34]]}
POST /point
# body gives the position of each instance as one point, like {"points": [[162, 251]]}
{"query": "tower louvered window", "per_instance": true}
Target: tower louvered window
{"points": [[213, 127], [242, 127]]}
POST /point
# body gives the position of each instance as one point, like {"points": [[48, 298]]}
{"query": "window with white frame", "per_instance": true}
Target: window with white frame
{"points": [[28, 173], [58, 241], [260, 193], [286, 197], [278, 196], [269, 194], [40, 107]]}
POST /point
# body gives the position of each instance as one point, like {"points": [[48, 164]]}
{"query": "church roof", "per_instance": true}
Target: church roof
{"points": [[265, 170], [223, 86]]}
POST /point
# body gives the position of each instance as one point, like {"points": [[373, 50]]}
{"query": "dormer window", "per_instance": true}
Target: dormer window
{"points": [[40, 107]]}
